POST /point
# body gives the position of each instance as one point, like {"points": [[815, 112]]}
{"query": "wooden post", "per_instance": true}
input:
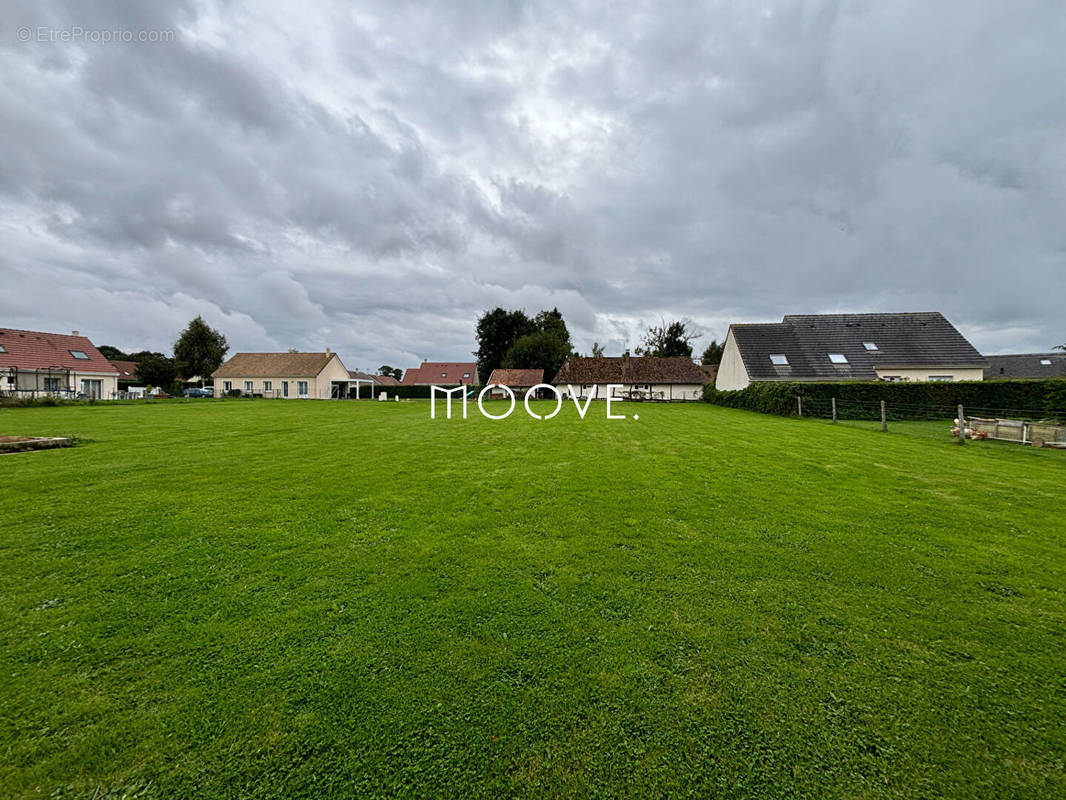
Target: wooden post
{"points": [[884, 419], [834, 403], [799, 404], [962, 426]]}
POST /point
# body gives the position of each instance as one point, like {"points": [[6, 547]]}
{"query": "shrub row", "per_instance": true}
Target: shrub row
{"points": [[904, 400], [411, 392]]}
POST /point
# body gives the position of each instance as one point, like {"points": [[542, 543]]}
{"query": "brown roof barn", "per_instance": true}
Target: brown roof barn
{"points": [[629, 370], [517, 378]]}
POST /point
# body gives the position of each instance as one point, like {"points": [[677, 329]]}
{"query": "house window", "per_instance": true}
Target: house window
{"points": [[227, 386], [779, 359], [467, 374], [892, 378], [3, 349], [1044, 361], [247, 387], [870, 345], [301, 388], [268, 386], [79, 354], [284, 388], [838, 358], [940, 378], [50, 384], [444, 374]]}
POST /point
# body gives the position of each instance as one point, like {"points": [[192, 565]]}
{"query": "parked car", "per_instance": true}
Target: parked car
{"points": [[195, 392]]}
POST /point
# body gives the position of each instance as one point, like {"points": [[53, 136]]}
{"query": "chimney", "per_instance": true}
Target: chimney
{"points": [[328, 350], [75, 333]]}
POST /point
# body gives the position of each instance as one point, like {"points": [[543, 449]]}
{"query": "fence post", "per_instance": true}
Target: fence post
{"points": [[799, 405], [884, 419], [962, 426], [833, 400]]}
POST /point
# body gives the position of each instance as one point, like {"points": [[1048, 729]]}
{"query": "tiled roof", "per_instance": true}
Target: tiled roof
{"points": [[39, 350], [273, 365], [443, 373], [629, 370], [1026, 365], [517, 377], [127, 370], [922, 339]]}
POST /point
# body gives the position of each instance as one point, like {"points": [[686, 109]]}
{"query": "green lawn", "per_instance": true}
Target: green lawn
{"points": [[222, 599]]}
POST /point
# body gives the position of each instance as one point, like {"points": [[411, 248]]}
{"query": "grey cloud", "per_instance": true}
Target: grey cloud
{"points": [[371, 178]]}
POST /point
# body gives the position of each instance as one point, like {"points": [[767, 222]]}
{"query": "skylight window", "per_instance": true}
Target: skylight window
{"points": [[1045, 361], [838, 358], [779, 359], [3, 349], [79, 354], [870, 345]]}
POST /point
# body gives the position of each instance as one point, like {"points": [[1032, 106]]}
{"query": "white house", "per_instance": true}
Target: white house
{"points": [[285, 375], [921, 346], [646, 377], [34, 363]]}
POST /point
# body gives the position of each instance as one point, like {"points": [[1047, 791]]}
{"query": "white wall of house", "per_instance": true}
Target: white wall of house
{"points": [[732, 374], [102, 384], [925, 374]]}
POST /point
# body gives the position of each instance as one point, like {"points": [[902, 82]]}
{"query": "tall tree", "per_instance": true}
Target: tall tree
{"points": [[713, 353], [200, 349], [544, 350], [113, 353], [497, 331], [392, 372], [665, 340], [597, 350], [155, 369]]}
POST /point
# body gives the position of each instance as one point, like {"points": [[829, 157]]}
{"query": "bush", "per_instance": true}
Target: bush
{"points": [[233, 393], [1027, 398], [410, 392]]}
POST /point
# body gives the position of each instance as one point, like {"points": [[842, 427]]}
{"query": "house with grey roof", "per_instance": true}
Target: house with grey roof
{"points": [[913, 346], [1026, 365]]}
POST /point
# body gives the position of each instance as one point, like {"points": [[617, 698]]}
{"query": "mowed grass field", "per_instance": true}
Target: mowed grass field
{"points": [[224, 599]]}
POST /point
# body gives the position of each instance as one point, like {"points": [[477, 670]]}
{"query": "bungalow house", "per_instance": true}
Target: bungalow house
{"points": [[647, 377], [519, 381], [442, 373], [1026, 365], [36, 363], [920, 346], [286, 375]]}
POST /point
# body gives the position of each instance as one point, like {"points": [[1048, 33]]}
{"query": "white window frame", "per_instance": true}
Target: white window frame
{"points": [[249, 387], [779, 359], [1045, 362], [227, 386], [871, 346], [301, 388], [80, 355], [837, 358], [941, 378], [268, 386]]}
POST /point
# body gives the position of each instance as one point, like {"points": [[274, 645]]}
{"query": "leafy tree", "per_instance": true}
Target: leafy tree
{"points": [[113, 353], [155, 369], [713, 353], [665, 340], [200, 349], [394, 372], [497, 331], [544, 350], [597, 350]]}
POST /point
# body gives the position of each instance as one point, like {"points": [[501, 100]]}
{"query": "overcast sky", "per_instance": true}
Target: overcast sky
{"points": [[370, 176]]}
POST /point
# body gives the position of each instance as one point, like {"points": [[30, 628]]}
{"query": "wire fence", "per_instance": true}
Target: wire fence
{"points": [[1020, 425]]}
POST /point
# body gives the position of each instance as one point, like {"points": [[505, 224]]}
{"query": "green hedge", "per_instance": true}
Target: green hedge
{"points": [[1033, 398]]}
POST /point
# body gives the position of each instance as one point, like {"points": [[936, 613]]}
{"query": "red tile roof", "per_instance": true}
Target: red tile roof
{"points": [[127, 370], [39, 350], [442, 373], [523, 378]]}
